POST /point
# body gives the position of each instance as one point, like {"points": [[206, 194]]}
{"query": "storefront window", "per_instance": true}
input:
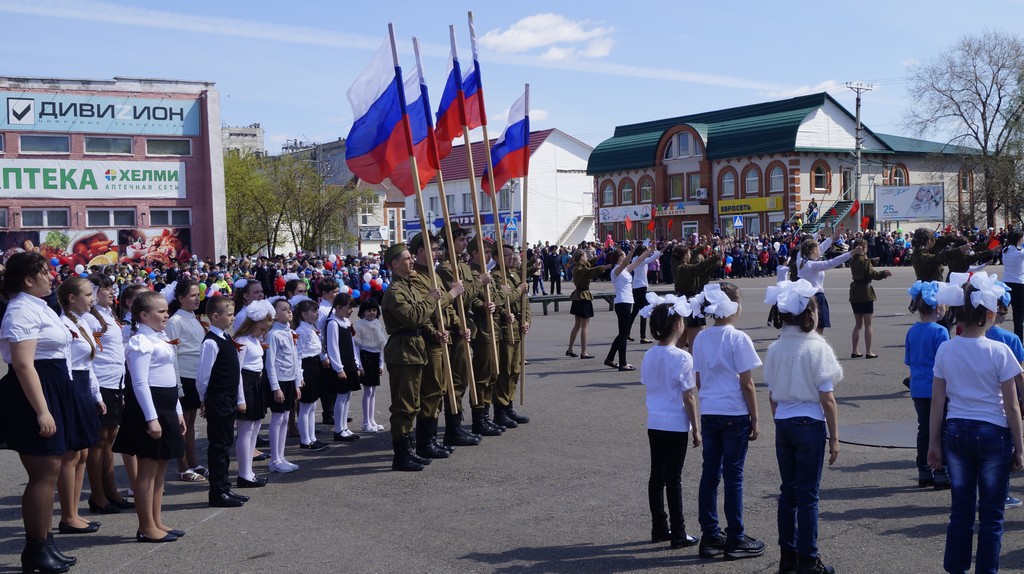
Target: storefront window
{"points": [[100, 145], [44, 218], [168, 147], [45, 144]]}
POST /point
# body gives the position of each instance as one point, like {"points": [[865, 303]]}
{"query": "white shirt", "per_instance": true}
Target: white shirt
{"points": [[27, 317], [814, 271], [151, 361], [282, 357], [1013, 265], [623, 284], [83, 348], [974, 368], [666, 373], [189, 332], [239, 317], [251, 355], [126, 331], [109, 363], [721, 353], [208, 352], [640, 272], [323, 313], [333, 352], [309, 341], [799, 366]]}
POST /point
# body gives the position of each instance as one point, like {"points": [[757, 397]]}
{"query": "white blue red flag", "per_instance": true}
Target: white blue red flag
{"points": [[510, 155], [450, 114], [473, 88], [422, 135], [378, 140]]}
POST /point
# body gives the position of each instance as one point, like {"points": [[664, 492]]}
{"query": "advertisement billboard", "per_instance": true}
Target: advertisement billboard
{"points": [[910, 203], [88, 247], [71, 179], [48, 112]]}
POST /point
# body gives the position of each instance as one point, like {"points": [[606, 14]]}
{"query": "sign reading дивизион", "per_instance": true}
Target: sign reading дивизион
{"points": [[910, 203], [34, 111], [70, 179]]}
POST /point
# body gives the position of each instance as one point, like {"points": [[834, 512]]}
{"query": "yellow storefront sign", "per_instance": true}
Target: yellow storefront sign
{"points": [[749, 205]]}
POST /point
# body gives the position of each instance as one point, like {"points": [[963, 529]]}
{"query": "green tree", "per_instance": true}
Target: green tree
{"points": [[249, 200], [974, 91]]}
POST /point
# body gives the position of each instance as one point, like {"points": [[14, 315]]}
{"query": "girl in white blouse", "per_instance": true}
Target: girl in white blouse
{"points": [[153, 421], [284, 373], [622, 280], [109, 368], [312, 356], [185, 328], [811, 267], [35, 416], [370, 339], [75, 296], [249, 335]]}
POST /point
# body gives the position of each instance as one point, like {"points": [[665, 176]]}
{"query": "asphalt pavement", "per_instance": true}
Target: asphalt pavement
{"points": [[564, 493]]}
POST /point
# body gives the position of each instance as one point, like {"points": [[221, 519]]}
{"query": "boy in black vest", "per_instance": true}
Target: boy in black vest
{"points": [[219, 381]]}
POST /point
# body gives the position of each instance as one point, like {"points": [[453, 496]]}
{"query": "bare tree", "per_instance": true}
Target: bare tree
{"points": [[974, 92]]}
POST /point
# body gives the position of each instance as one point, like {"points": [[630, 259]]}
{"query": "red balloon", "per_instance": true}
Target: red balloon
{"points": [[328, 266], [895, 260], [728, 268], [376, 286], [149, 270]]}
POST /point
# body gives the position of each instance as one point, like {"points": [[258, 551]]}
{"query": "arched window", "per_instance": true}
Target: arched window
{"points": [[727, 184], [646, 190], [626, 189], [899, 176], [777, 179], [607, 193], [821, 177], [670, 149], [751, 181]]}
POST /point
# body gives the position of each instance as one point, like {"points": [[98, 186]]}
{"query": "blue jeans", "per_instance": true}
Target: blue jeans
{"points": [[800, 450], [725, 451], [978, 455]]}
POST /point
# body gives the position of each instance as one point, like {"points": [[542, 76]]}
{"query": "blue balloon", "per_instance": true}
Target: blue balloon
{"points": [[152, 275], [85, 275], [728, 259], [384, 286], [366, 286], [54, 261], [355, 294]]}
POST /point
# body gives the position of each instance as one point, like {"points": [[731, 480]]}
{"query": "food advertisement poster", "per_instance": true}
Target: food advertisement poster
{"points": [[91, 247]]}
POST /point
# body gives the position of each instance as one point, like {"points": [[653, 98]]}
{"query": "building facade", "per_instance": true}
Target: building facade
{"points": [[94, 172], [757, 168], [560, 194], [243, 139]]}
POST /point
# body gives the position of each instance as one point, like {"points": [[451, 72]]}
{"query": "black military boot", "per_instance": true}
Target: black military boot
{"points": [[511, 413], [425, 440], [69, 560], [410, 445], [454, 434], [433, 439], [482, 424], [403, 460], [39, 557], [501, 417]]}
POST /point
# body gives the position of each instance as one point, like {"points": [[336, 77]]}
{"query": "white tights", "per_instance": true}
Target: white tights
{"points": [[245, 446], [278, 436], [307, 422], [369, 405], [341, 407]]}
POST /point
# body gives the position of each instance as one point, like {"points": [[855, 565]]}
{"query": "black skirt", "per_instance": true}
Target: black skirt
{"points": [[312, 379], [190, 399], [288, 388], [254, 387], [863, 308], [114, 400], [371, 368], [87, 418], [18, 424], [341, 386], [583, 308], [133, 437]]}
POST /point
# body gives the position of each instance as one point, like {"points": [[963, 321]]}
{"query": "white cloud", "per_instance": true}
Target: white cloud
{"points": [[804, 90], [563, 38]]}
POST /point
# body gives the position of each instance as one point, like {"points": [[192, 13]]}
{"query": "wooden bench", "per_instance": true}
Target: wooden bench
{"points": [[545, 300]]}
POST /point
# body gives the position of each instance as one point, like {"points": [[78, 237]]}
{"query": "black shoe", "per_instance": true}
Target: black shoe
{"points": [[168, 537], [512, 414], [52, 547], [176, 532], [501, 417], [941, 484], [110, 508], [224, 500], [260, 457], [234, 494], [745, 547], [314, 446], [789, 562], [341, 437], [124, 504], [571, 354], [328, 420], [38, 556], [260, 441], [684, 542], [712, 546], [482, 424], [65, 528], [243, 483], [813, 565], [660, 534]]}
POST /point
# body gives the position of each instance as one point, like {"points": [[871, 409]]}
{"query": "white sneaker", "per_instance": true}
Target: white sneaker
{"points": [[369, 427], [378, 427], [291, 464], [282, 467]]}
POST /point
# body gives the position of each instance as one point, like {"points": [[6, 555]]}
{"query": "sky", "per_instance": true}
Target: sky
{"points": [[590, 65]]}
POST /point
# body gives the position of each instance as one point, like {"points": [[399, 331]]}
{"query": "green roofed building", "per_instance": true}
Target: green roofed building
{"points": [[760, 166]]}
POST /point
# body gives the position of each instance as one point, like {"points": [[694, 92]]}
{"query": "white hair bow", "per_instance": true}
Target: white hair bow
{"points": [[168, 292], [951, 294], [296, 299], [988, 293], [790, 296], [713, 301], [259, 310], [241, 283], [677, 305]]}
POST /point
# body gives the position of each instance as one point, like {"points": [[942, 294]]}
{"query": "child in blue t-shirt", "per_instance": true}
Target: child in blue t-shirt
{"points": [[923, 340], [997, 333]]}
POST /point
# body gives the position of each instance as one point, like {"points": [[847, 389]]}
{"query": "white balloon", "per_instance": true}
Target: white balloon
{"points": [[367, 277], [332, 258], [79, 268]]}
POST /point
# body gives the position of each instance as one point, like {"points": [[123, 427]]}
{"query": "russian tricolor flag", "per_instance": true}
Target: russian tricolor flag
{"points": [[450, 116], [473, 88], [422, 137], [377, 142], [510, 155]]}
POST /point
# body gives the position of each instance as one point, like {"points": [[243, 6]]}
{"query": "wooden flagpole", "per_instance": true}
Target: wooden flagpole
{"points": [[525, 299], [424, 230], [453, 257]]}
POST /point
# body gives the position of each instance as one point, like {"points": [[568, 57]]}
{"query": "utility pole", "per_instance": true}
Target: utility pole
{"points": [[859, 88]]}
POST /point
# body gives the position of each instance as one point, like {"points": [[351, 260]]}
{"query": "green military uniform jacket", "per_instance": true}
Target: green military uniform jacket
{"points": [[690, 278], [478, 306], [861, 290], [959, 262], [406, 311], [927, 263], [470, 281], [582, 275], [421, 283]]}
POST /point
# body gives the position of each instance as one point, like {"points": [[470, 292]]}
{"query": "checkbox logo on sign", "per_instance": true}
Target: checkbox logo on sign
{"points": [[21, 111]]}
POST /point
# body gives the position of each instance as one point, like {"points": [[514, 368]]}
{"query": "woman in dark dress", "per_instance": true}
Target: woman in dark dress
{"points": [[582, 301]]}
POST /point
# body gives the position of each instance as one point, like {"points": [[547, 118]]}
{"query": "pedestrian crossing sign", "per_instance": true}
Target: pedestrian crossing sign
{"points": [[511, 224], [737, 221]]}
